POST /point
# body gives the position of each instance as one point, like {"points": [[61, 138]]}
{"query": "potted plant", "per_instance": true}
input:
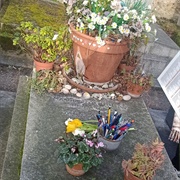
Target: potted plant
{"points": [[79, 149], [101, 31], [145, 161], [137, 82], [43, 43]]}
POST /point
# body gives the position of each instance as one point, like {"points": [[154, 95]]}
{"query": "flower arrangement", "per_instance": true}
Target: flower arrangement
{"points": [[111, 20], [146, 160], [80, 146]]}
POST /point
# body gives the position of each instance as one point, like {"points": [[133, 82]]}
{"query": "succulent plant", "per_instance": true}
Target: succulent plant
{"points": [[146, 160]]}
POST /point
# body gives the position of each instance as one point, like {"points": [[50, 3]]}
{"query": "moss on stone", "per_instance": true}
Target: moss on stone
{"points": [[41, 12]]}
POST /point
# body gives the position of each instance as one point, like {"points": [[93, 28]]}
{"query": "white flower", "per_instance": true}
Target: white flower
{"points": [[85, 2], [102, 22], [100, 41], [105, 18], [114, 25], [127, 31], [153, 19], [121, 29], [78, 10], [68, 120], [91, 26], [149, 6], [78, 131], [118, 15], [126, 17], [93, 15], [55, 37], [147, 27]]}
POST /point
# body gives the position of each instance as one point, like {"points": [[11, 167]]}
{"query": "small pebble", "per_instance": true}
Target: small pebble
{"points": [[73, 91], [65, 91], [86, 95], [126, 97], [79, 94], [67, 86]]}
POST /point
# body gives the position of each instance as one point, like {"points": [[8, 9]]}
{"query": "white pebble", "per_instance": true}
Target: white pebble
{"points": [[126, 97], [78, 94], [105, 86], [67, 86], [86, 95], [112, 96], [73, 91], [65, 91]]}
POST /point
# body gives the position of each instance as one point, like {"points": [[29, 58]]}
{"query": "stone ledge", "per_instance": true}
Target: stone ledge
{"points": [[12, 160]]}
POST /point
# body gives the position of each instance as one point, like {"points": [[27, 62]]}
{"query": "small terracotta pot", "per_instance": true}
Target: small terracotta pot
{"points": [[76, 170], [134, 90], [43, 66], [130, 176]]}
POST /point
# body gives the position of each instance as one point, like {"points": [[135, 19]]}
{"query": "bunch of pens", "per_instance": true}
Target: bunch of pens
{"points": [[113, 126]]}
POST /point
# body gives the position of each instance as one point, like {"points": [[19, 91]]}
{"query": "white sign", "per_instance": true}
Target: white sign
{"points": [[169, 80]]}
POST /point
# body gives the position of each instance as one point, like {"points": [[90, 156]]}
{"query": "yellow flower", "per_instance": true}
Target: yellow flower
{"points": [[70, 127], [77, 122]]}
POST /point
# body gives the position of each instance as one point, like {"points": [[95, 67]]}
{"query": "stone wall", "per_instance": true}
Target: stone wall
{"points": [[169, 9]]}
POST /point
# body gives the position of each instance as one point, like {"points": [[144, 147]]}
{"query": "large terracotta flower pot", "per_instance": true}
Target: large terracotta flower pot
{"points": [[76, 170], [97, 63], [43, 66]]}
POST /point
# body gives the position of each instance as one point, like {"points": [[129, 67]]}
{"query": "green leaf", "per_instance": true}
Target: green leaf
{"points": [[83, 147]]}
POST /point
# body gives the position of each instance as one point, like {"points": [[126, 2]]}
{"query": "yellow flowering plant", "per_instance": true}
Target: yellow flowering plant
{"points": [[78, 127], [80, 145]]}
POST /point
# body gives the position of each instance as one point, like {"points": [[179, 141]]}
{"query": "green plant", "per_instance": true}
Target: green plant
{"points": [[84, 149], [45, 44], [146, 160], [145, 81], [111, 20], [46, 80]]}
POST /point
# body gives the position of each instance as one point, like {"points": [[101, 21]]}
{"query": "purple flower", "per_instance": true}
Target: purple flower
{"points": [[89, 143], [100, 144]]}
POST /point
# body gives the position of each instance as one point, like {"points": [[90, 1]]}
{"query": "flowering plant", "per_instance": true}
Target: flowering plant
{"points": [[111, 20], [80, 148]]}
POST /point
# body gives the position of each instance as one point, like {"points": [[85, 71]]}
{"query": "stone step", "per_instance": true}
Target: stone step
{"points": [[13, 155], [158, 53], [7, 100]]}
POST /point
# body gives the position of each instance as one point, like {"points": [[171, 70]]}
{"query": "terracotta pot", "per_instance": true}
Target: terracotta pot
{"points": [[126, 68], [76, 170], [97, 63], [134, 90], [43, 66], [130, 176]]}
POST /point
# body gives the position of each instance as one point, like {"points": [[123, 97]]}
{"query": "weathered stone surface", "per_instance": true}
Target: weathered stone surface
{"points": [[45, 123], [12, 160], [166, 9]]}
